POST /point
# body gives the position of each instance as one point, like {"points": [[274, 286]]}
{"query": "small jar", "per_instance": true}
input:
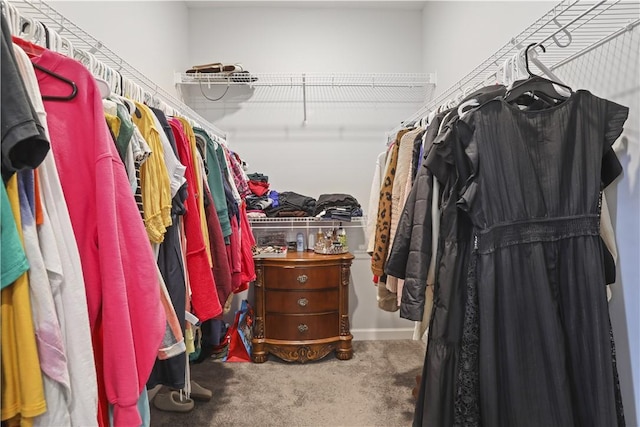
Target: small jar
{"points": [[300, 242]]}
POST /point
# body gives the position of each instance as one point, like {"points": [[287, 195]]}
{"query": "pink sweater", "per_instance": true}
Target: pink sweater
{"points": [[126, 317]]}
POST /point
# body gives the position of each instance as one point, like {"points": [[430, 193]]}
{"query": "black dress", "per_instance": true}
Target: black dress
{"points": [[540, 348], [445, 160]]}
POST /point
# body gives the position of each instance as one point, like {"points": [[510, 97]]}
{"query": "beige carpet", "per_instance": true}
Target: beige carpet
{"points": [[371, 389]]}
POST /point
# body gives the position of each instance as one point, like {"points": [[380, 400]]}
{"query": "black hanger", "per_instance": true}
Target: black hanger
{"points": [[74, 87], [542, 87]]}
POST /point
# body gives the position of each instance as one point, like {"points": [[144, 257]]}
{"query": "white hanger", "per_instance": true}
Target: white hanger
{"points": [[430, 117], [13, 17], [468, 103], [33, 32]]}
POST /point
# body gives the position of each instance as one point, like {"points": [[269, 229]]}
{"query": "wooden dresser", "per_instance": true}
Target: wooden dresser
{"points": [[302, 307]]}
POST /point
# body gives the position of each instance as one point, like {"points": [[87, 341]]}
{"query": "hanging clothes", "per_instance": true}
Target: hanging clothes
{"points": [[24, 143], [374, 197], [22, 392], [541, 232], [204, 298], [109, 232], [199, 191], [530, 217], [383, 221], [399, 191], [62, 260], [221, 268], [412, 254], [215, 181], [51, 349], [247, 243], [171, 372], [14, 259], [23, 146], [154, 178]]}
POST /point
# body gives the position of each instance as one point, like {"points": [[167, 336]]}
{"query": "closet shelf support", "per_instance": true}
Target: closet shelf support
{"points": [[304, 99]]}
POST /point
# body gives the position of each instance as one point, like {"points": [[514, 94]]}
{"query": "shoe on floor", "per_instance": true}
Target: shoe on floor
{"points": [[171, 402], [200, 393], [387, 300]]}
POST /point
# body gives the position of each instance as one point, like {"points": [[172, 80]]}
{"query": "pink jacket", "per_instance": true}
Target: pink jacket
{"points": [[125, 314]]}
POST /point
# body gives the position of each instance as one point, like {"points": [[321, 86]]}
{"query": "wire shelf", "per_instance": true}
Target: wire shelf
{"points": [[305, 219], [318, 88], [373, 80], [43, 11], [568, 31]]}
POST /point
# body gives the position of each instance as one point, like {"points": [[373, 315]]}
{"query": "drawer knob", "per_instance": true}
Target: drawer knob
{"points": [[303, 302], [302, 278], [303, 328]]}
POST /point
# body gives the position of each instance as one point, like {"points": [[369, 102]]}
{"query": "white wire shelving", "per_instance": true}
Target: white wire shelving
{"points": [[334, 80], [45, 13], [304, 222], [331, 89], [571, 29]]}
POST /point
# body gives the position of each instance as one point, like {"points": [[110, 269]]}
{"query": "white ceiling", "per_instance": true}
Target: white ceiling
{"points": [[387, 4]]}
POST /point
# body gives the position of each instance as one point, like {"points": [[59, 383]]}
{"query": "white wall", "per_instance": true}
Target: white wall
{"points": [[149, 35], [336, 151], [459, 35], [308, 39]]}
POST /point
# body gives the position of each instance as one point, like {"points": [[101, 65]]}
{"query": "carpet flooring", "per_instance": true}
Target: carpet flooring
{"points": [[372, 389]]}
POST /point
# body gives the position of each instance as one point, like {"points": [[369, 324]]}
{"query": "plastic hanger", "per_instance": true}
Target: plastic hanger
{"points": [[539, 86], [33, 50], [71, 84]]}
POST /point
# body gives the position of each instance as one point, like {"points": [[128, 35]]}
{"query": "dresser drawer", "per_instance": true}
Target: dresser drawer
{"points": [[301, 302], [302, 327], [294, 278]]}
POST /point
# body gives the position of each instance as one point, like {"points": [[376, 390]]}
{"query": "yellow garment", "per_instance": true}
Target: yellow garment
{"points": [[199, 180], [114, 123], [154, 178], [22, 389]]}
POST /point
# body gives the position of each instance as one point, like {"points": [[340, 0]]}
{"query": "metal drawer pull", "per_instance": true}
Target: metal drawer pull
{"points": [[302, 278], [303, 328], [303, 302]]}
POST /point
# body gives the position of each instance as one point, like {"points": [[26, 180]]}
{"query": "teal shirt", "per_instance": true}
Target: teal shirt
{"points": [[214, 179], [13, 261], [126, 131]]}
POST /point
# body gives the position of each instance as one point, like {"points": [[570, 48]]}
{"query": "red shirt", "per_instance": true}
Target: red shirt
{"points": [[204, 298]]}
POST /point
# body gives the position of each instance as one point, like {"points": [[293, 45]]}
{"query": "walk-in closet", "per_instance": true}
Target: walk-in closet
{"points": [[320, 213]]}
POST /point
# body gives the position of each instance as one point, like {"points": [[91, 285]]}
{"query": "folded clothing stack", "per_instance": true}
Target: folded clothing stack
{"points": [[337, 206], [258, 184], [259, 199], [291, 204], [255, 203], [233, 72]]}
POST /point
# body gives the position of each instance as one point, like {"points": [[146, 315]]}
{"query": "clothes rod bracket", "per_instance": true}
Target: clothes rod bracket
{"points": [[566, 33]]}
